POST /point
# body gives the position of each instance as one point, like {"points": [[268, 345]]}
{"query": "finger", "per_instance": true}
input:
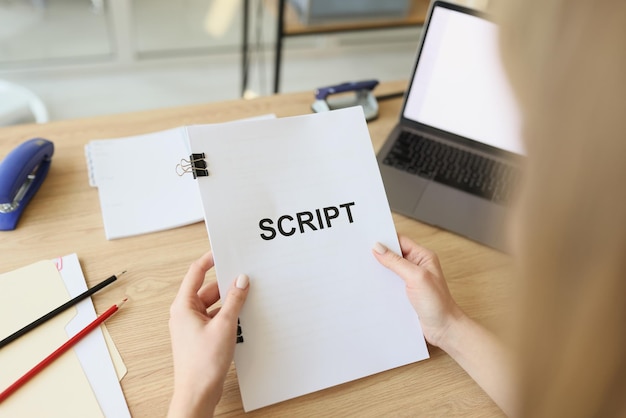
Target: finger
{"points": [[419, 255], [195, 275], [396, 263], [209, 294], [211, 314], [237, 294]]}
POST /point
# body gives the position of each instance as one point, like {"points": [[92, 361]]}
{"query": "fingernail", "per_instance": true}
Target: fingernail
{"points": [[380, 248], [242, 281]]}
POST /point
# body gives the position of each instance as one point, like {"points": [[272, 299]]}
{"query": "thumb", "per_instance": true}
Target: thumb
{"points": [[395, 262], [235, 298]]}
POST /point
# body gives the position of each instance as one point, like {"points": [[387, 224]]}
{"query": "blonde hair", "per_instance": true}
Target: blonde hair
{"points": [[566, 60]]}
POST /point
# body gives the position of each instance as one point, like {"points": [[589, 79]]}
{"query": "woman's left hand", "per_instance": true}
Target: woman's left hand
{"points": [[203, 341]]}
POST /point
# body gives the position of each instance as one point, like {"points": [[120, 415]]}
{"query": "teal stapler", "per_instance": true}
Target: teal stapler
{"points": [[22, 172]]}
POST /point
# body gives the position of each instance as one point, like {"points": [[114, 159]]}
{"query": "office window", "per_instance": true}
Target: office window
{"points": [[39, 31], [165, 27]]}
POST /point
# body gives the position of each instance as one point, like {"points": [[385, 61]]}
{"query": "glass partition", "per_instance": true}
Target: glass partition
{"points": [[34, 31]]}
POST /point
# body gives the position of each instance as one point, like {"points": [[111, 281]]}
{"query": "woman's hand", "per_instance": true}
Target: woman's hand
{"points": [[203, 342], [444, 325], [425, 286]]}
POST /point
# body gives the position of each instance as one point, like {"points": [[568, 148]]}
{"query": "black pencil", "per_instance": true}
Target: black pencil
{"points": [[58, 310]]}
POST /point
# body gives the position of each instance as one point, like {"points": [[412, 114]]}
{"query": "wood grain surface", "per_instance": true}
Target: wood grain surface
{"points": [[64, 217]]}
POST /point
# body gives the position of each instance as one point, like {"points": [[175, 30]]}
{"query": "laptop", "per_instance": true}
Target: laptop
{"points": [[453, 159]]}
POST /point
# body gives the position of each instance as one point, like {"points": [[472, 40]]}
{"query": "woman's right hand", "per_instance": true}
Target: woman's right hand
{"points": [[426, 287], [445, 325]]}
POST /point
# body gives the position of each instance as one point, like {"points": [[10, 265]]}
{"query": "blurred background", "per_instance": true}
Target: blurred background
{"points": [[81, 58]]}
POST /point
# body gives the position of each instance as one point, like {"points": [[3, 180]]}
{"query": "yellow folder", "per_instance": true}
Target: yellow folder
{"points": [[61, 389]]}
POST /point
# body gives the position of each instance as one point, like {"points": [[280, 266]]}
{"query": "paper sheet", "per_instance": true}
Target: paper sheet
{"points": [[321, 310], [116, 358], [93, 352], [138, 185]]}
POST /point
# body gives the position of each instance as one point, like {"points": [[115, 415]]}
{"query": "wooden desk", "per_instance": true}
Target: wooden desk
{"points": [[65, 217]]}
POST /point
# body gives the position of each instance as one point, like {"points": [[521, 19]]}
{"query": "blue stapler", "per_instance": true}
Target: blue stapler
{"points": [[22, 172], [358, 93]]}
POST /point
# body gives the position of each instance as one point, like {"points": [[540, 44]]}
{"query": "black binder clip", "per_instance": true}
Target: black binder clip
{"points": [[239, 332], [196, 165]]}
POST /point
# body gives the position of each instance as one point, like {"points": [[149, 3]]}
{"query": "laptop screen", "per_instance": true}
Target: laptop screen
{"points": [[460, 86]]}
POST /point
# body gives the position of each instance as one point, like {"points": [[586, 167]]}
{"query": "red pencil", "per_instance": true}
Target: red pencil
{"points": [[59, 351]]}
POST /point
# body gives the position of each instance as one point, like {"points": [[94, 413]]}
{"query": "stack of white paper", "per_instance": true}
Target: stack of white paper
{"points": [[297, 204], [138, 185]]}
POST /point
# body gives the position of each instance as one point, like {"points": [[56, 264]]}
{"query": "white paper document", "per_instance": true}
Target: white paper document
{"points": [[138, 185], [297, 204], [92, 350]]}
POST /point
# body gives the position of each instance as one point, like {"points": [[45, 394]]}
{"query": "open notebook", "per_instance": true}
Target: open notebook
{"points": [[297, 204], [140, 191]]}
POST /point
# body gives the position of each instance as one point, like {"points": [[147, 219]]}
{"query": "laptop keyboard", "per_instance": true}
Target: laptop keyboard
{"points": [[454, 167]]}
